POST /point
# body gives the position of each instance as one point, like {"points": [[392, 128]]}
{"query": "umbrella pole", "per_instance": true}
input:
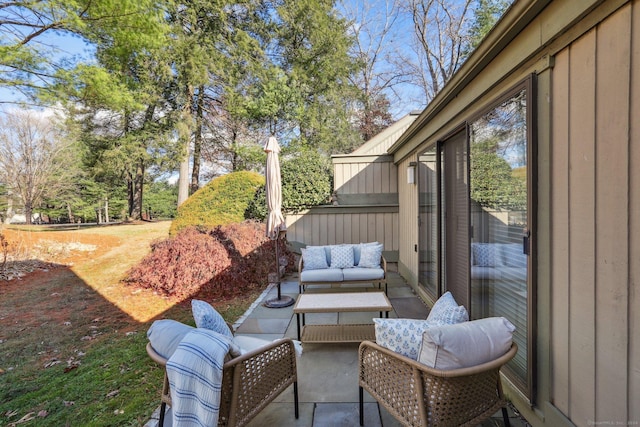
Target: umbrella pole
{"points": [[278, 266], [280, 301]]}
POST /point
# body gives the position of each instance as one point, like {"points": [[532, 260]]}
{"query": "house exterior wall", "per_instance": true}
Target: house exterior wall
{"points": [[594, 222], [586, 57], [408, 227]]}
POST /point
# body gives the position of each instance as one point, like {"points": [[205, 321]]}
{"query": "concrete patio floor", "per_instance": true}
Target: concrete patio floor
{"points": [[327, 373]]}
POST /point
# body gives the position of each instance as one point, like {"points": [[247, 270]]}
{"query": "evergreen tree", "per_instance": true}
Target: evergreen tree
{"points": [[486, 14]]}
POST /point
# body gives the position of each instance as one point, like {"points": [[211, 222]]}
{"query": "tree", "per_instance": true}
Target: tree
{"points": [[486, 14], [440, 28], [306, 182], [372, 25], [37, 159], [29, 64], [307, 87]]}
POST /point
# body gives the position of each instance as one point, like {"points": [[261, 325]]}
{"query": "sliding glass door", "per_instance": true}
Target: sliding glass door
{"points": [[475, 220]]}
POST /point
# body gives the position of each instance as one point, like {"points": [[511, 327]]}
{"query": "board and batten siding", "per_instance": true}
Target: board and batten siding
{"points": [[595, 223], [330, 225], [365, 174], [408, 227], [365, 180]]}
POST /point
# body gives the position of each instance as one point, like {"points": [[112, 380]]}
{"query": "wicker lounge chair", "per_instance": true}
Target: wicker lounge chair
{"points": [[418, 395], [249, 382]]}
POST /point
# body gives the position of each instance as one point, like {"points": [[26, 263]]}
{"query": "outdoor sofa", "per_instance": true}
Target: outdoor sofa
{"points": [[337, 265]]}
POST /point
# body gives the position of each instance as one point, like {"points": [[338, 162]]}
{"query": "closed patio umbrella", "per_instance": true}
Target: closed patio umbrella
{"points": [[275, 220]]}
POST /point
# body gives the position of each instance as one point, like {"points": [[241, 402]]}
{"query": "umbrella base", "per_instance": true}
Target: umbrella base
{"points": [[283, 301]]}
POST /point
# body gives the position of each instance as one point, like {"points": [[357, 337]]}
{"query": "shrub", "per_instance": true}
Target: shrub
{"points": [[222, 201], [215, 264], [306, 182]]}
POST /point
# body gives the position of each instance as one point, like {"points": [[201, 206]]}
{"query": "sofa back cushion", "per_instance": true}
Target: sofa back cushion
{"points": [[341, 256], [370, 254], [512, 255], [314, 258], [165, 336], [466, 344]]}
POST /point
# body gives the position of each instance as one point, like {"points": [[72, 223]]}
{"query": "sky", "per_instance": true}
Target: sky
{"points": [[63, 46], [73, 48]]}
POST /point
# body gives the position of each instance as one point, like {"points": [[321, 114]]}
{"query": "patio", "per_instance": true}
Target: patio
{"points": [[327, 373]]}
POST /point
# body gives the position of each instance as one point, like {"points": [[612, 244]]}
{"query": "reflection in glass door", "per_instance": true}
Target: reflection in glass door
{"points": [[428, 222], [499, 221], [474, 220]]}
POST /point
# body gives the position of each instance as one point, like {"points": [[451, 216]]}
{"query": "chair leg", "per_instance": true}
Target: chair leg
{"points": [[295, 398], [361, 406], [505, 417], [163, 407]]}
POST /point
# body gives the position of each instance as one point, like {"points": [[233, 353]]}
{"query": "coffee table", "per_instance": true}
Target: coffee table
{"points": [[339, 302]]}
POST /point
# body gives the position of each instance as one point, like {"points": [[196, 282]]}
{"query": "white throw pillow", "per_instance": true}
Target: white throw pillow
{"points": [[370, 256], [208, 318], [314, 258], [466, 344], [341, 256], [446, 311], [404, 336]]}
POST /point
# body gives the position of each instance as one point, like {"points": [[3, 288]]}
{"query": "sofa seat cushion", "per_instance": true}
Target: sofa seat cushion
{"points": [[324, 275], [351, 274]]}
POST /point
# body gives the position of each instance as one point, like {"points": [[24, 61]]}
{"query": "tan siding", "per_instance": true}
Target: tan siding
{"points": [[612, 178], [329, 226], [361, 179], [367, 175], [582, 228], [593, 340], [634, 224], [385, 178], [331, 229], [408, 225], [377, 177], [560, 219], [338, 176], [596, 374]]}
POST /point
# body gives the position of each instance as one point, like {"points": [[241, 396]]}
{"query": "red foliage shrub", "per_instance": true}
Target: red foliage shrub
{"points": [[217, 264]]}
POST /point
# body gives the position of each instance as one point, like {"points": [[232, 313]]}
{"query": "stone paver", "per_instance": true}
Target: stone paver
{"points": [[327, 373]]}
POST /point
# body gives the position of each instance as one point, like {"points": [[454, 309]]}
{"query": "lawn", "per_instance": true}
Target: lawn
{"points": [[72, 336]]}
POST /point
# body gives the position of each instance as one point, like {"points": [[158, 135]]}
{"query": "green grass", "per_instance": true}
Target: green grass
{"points": [[71, 357], [115, 384]]}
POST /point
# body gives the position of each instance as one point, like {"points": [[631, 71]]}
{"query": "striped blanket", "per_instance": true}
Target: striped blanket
{"points": [[195, 378]]}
